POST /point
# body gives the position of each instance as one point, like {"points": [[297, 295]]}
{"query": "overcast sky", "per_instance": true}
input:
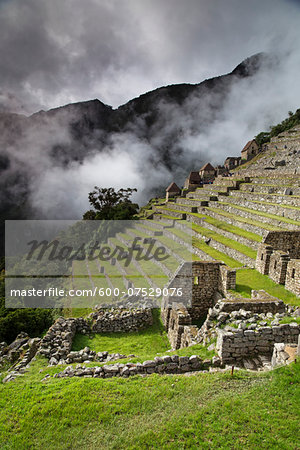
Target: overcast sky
{"points": [[54, 52]]}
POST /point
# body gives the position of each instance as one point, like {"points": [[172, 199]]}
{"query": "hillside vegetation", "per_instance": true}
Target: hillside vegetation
{"points": [[291, 121], [200, 411]]}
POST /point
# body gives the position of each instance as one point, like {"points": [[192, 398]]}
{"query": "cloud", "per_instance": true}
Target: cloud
{"points": [[53, 53]]}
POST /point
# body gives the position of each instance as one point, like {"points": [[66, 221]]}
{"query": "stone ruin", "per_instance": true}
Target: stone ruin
{"points": [[278, 257], [202, 284], [246, 333], [246, 330], [56, 345]]}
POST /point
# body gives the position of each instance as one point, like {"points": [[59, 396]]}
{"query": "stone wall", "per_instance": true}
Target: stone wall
{"points": [[57, 342], [262, 263], [288, 241], [202, 283], [120, 320], [292, 282], [278, 265], [168, 364], [178, 317], [256, 305], [275, 253], [239, 344]]}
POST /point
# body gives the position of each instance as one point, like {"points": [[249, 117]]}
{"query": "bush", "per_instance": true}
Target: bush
{"points": [[13, 321]]}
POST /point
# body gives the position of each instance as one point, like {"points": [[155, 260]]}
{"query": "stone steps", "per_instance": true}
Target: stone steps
{"points": [[170, 212], [203, 255], [255, 215], [288, 212], [225, 248], [200, 196], [243, 240], [229, 246], [176, 259], [213, 189], [269, 198], [270, 189], [246, 224], [182, 207]]}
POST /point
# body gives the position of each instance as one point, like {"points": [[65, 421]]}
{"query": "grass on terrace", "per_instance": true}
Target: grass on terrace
{"points": [[262, 214], [206, 411], [226, 241], [216, 254], [248, 279], [230, 228], [237, 218]]}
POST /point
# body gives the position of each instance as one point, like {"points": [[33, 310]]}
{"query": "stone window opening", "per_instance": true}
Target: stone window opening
{"points": [[275, 264], [293, 273], [196, 281], [262, 257]]}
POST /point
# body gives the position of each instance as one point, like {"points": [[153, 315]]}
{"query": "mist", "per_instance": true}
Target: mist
{"points": [[54, 53]]}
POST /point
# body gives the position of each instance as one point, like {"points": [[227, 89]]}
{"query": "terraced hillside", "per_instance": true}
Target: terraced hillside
{"points": [[282, 152], [234, 219], [224, 221], [229, 219]]}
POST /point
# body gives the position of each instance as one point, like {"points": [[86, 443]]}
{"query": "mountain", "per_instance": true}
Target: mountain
{"points": [[62, 137]]}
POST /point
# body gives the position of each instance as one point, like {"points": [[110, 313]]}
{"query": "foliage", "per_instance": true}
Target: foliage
{"points": [[262, 138], [109, 204], [291, 121], [13, 321]]}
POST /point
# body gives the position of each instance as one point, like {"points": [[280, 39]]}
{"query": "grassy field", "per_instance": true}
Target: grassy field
{"points": [[206, 411], [248, 279]]}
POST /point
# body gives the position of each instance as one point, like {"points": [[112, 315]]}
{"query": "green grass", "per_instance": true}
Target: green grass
{"points": [[206, 411], [143, 344], [216, 254], [290, 320], [230, 228], [247, 279], [225, 241], [256, 223], [263, 214]]}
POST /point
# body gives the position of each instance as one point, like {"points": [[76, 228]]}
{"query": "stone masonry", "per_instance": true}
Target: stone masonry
{"points": [[239, 344], [202, 284], [276, 253], [292, 281]]}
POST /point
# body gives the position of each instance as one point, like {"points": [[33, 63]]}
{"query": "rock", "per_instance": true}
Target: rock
{"points": [[167, 359], [149, 363], [53, 361]]}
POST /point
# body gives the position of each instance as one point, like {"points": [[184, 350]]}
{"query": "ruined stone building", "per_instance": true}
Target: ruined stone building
{"points": [[193, 181], [232, 162], [278, 257], [207, 173], [202, 284], [250, 150], [172, 191]]}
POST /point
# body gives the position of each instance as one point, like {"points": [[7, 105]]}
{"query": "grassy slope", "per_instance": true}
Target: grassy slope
{"points": [[202, 411], [247, 279]]}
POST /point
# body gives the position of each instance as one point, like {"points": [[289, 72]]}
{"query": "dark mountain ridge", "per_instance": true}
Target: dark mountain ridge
{"points": [[70, 134]]}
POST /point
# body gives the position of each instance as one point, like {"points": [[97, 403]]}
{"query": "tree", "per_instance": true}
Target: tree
{"points": [[109, 204]]}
